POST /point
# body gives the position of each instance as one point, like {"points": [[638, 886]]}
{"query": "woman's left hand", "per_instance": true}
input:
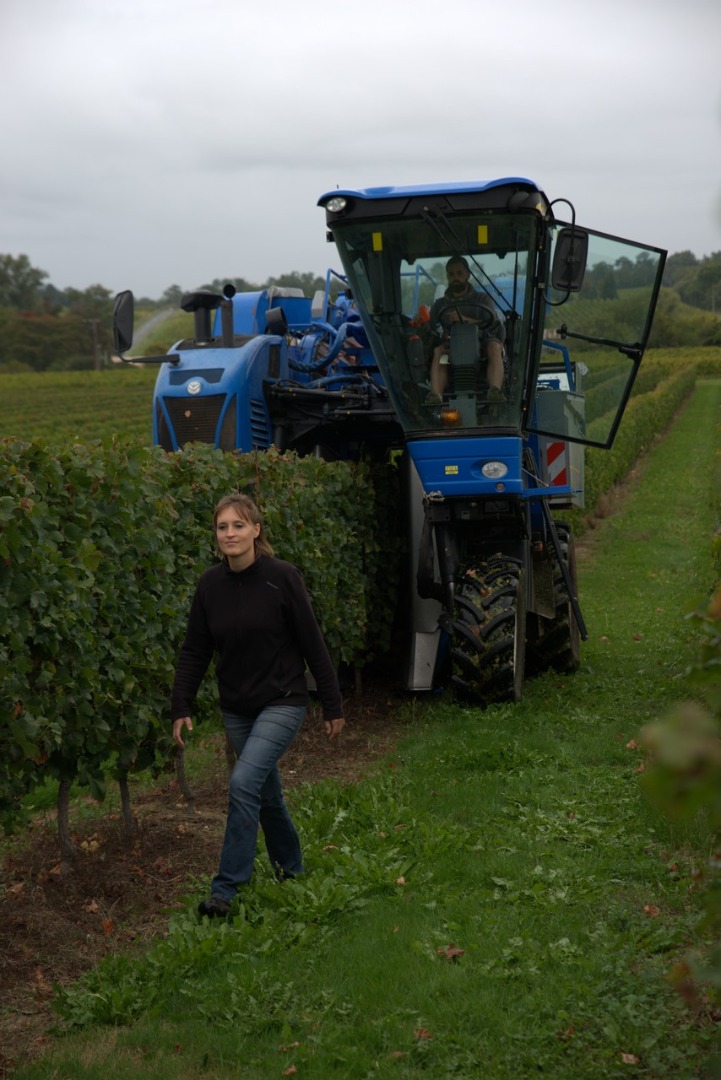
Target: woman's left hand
{"points": [[333, 728]]}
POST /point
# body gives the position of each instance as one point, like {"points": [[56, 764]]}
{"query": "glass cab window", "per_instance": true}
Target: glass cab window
{"points": [[594, 338], [450, 317]]}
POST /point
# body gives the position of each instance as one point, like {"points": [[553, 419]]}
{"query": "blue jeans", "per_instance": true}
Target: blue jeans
{"points": [[255, 796]]}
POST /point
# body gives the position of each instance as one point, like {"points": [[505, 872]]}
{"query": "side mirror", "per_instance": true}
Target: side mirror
{"points": [[569, 260], [123, 317]]}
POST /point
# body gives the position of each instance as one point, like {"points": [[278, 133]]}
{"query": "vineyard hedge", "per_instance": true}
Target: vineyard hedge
{"points": [[706, 361], [100, 548]]}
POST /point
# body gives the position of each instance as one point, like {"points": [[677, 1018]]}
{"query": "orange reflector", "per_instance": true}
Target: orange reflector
{"points": [[451, 417]]}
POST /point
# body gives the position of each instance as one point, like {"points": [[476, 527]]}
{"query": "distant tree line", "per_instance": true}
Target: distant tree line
{"points": [[43, 328], [697, 281], [689, 308]]}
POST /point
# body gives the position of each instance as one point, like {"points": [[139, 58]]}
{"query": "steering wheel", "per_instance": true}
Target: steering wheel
{"points": [[484, 322], [487, 319]]}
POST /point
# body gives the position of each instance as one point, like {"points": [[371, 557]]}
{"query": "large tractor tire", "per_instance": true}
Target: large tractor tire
{"points": [[488, 632], [556, 643]]}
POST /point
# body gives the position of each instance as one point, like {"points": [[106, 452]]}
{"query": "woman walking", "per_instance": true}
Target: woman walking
{"points": [[253, 611]]}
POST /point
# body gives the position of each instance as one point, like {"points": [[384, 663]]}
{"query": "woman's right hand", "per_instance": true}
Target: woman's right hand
{"points": [[333, 728], [178, 726]]}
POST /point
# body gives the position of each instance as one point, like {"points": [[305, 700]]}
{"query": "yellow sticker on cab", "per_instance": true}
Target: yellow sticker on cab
{"points": [[451, 470]]}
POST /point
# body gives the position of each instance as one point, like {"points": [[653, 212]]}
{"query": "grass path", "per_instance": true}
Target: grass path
{"points": [[499, 902]]}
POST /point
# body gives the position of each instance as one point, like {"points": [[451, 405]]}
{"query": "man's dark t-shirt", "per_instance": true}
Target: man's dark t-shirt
{"points": [[469, 305]]}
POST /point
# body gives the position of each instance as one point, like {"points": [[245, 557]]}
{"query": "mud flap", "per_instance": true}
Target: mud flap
{"points": [[542, 594]]}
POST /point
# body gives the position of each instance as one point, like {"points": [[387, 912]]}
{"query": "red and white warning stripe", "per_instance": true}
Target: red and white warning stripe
{"points": [[556, 460]]}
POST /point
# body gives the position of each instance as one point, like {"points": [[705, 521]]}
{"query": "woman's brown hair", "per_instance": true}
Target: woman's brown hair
{"points": [[249, 512]]}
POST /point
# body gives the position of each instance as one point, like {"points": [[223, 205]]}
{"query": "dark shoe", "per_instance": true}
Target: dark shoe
{"points": [[215, 908]]}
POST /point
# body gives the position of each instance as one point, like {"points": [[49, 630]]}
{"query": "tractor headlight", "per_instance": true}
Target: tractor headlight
{"points": [[336, 204], [494, 470]]}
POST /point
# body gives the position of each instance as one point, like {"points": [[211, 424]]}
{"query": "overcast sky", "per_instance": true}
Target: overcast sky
{"points": [[148, 143]]}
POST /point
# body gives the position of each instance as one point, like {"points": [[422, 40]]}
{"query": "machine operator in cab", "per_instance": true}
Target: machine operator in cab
{"points": [[462, 303]]}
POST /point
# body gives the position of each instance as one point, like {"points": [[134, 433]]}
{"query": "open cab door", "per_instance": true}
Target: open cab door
{"points": [[599, 309]]}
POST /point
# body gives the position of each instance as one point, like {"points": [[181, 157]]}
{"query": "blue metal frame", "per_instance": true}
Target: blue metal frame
{"points": [[452, 467]]}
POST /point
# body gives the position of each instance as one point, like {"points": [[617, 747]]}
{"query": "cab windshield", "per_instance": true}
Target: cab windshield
{"points": [[448, 313]]}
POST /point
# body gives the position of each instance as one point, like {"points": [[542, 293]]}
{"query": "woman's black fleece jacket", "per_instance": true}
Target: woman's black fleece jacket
{"points": [[261, 624]]}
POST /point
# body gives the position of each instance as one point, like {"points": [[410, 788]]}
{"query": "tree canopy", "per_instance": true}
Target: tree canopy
{"points": [[21, 285]]}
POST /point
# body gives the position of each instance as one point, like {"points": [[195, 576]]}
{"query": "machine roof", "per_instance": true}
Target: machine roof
{"points": [[405, 191]]}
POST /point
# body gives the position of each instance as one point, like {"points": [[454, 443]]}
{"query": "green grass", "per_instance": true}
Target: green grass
{"points": [[519, 835]]}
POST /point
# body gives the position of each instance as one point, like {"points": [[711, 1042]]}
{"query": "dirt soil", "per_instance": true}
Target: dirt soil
{"points": [[57, 920]]}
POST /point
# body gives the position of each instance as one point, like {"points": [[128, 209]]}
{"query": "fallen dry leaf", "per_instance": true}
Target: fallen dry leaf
{"points": [[287, 1049], [422, 1033], [291, 1071], [400, 881], [652, 911], [450, 952], [632, 744], [629, 1059]]}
